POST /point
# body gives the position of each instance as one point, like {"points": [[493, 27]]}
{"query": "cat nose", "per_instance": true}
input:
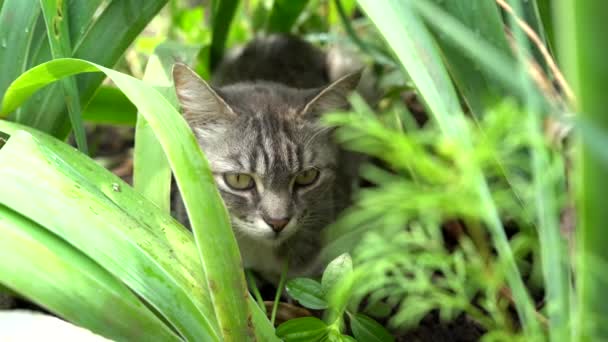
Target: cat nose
{"points": [[277, 224]]}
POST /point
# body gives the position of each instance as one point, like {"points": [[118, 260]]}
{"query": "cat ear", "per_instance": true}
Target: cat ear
{"points": [[333, 96], [201, 104]]}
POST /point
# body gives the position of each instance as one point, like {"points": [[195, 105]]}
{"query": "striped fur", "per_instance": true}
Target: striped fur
{"points": [[266, 127]]}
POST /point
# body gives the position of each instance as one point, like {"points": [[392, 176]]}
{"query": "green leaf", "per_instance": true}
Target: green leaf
{"points": [[223, 13], [366, 329], [308, 292], [478, 85], [284, 14], [264, 331], [302, 329], [15, 44], [347, 338], [57, 26], [407, 35], [208, 216], [336, 270], [125, 234], [110, 106], [487, 56], [584, 48], [112, 25], [69, 283]]}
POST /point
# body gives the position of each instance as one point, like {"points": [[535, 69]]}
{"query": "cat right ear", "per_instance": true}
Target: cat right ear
{"points": [[200, 103]]}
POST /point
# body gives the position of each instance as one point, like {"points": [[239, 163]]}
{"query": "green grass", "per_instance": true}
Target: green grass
{"points": [[482, 168]]}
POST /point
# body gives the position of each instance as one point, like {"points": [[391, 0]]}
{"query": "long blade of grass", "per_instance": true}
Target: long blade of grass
{"points": [[478, 85], [486, 55], [213, 234], [552, 247], [70, 284], [111, 107], [125, 234], [112, 25], [414, 46], [57, 27], [419, 55], [531, 14], [584, 49], [284, 14], [15, 43], [223, 13], [151, 171]]}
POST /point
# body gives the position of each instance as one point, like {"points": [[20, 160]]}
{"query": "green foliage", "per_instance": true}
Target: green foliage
{"points": [[333, 293], [462, 215], [92, 24], [366, 329], [308, 292], [284, 14], [583, 48], [303, 329], [403, 261], [190, 169]]}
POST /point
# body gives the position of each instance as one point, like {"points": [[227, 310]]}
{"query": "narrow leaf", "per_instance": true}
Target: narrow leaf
{"points": [[284, 14], [213, 234], [150, 257], [112, 25], [223, 13], [15, 43], [70, 284], [57, 27]]}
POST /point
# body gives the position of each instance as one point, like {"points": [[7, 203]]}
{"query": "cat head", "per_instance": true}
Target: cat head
{"points": [[275, 166]]}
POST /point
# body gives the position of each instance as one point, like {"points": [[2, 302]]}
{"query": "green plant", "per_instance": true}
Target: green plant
{"points": [[462, 218], [333, 293]]}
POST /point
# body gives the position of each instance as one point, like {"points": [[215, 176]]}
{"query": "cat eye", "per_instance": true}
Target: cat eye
{"points": [[307, 177], [239, 181]]}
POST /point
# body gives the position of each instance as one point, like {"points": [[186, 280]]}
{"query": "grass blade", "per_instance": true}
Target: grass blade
{"points": [[223, 13], [151, 172], [284, 14], [110, 106], [113, 25], [69, 283], [15, 44], [417, 51], [216, 243], [419, 55], [585, 47], [478, 86], [57, 27], [123, 227]]}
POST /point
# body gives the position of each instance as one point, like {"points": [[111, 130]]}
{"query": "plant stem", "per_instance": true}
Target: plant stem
{"points": [[256, 292], [277, 296]]}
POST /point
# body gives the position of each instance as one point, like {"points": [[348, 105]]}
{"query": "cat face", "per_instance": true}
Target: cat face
{"points": [[275, 166]]}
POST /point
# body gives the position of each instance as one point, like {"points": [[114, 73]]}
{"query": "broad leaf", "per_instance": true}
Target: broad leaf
{"points": [[304, 329], [308, 292], [366, 329], [336, 271]]}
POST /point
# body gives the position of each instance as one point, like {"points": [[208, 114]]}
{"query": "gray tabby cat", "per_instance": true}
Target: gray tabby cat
{"points": [[280, 174]]}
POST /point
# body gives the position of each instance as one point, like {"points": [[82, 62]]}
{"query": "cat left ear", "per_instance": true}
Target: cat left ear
{"points": [[201, 103], [333, 96]]}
